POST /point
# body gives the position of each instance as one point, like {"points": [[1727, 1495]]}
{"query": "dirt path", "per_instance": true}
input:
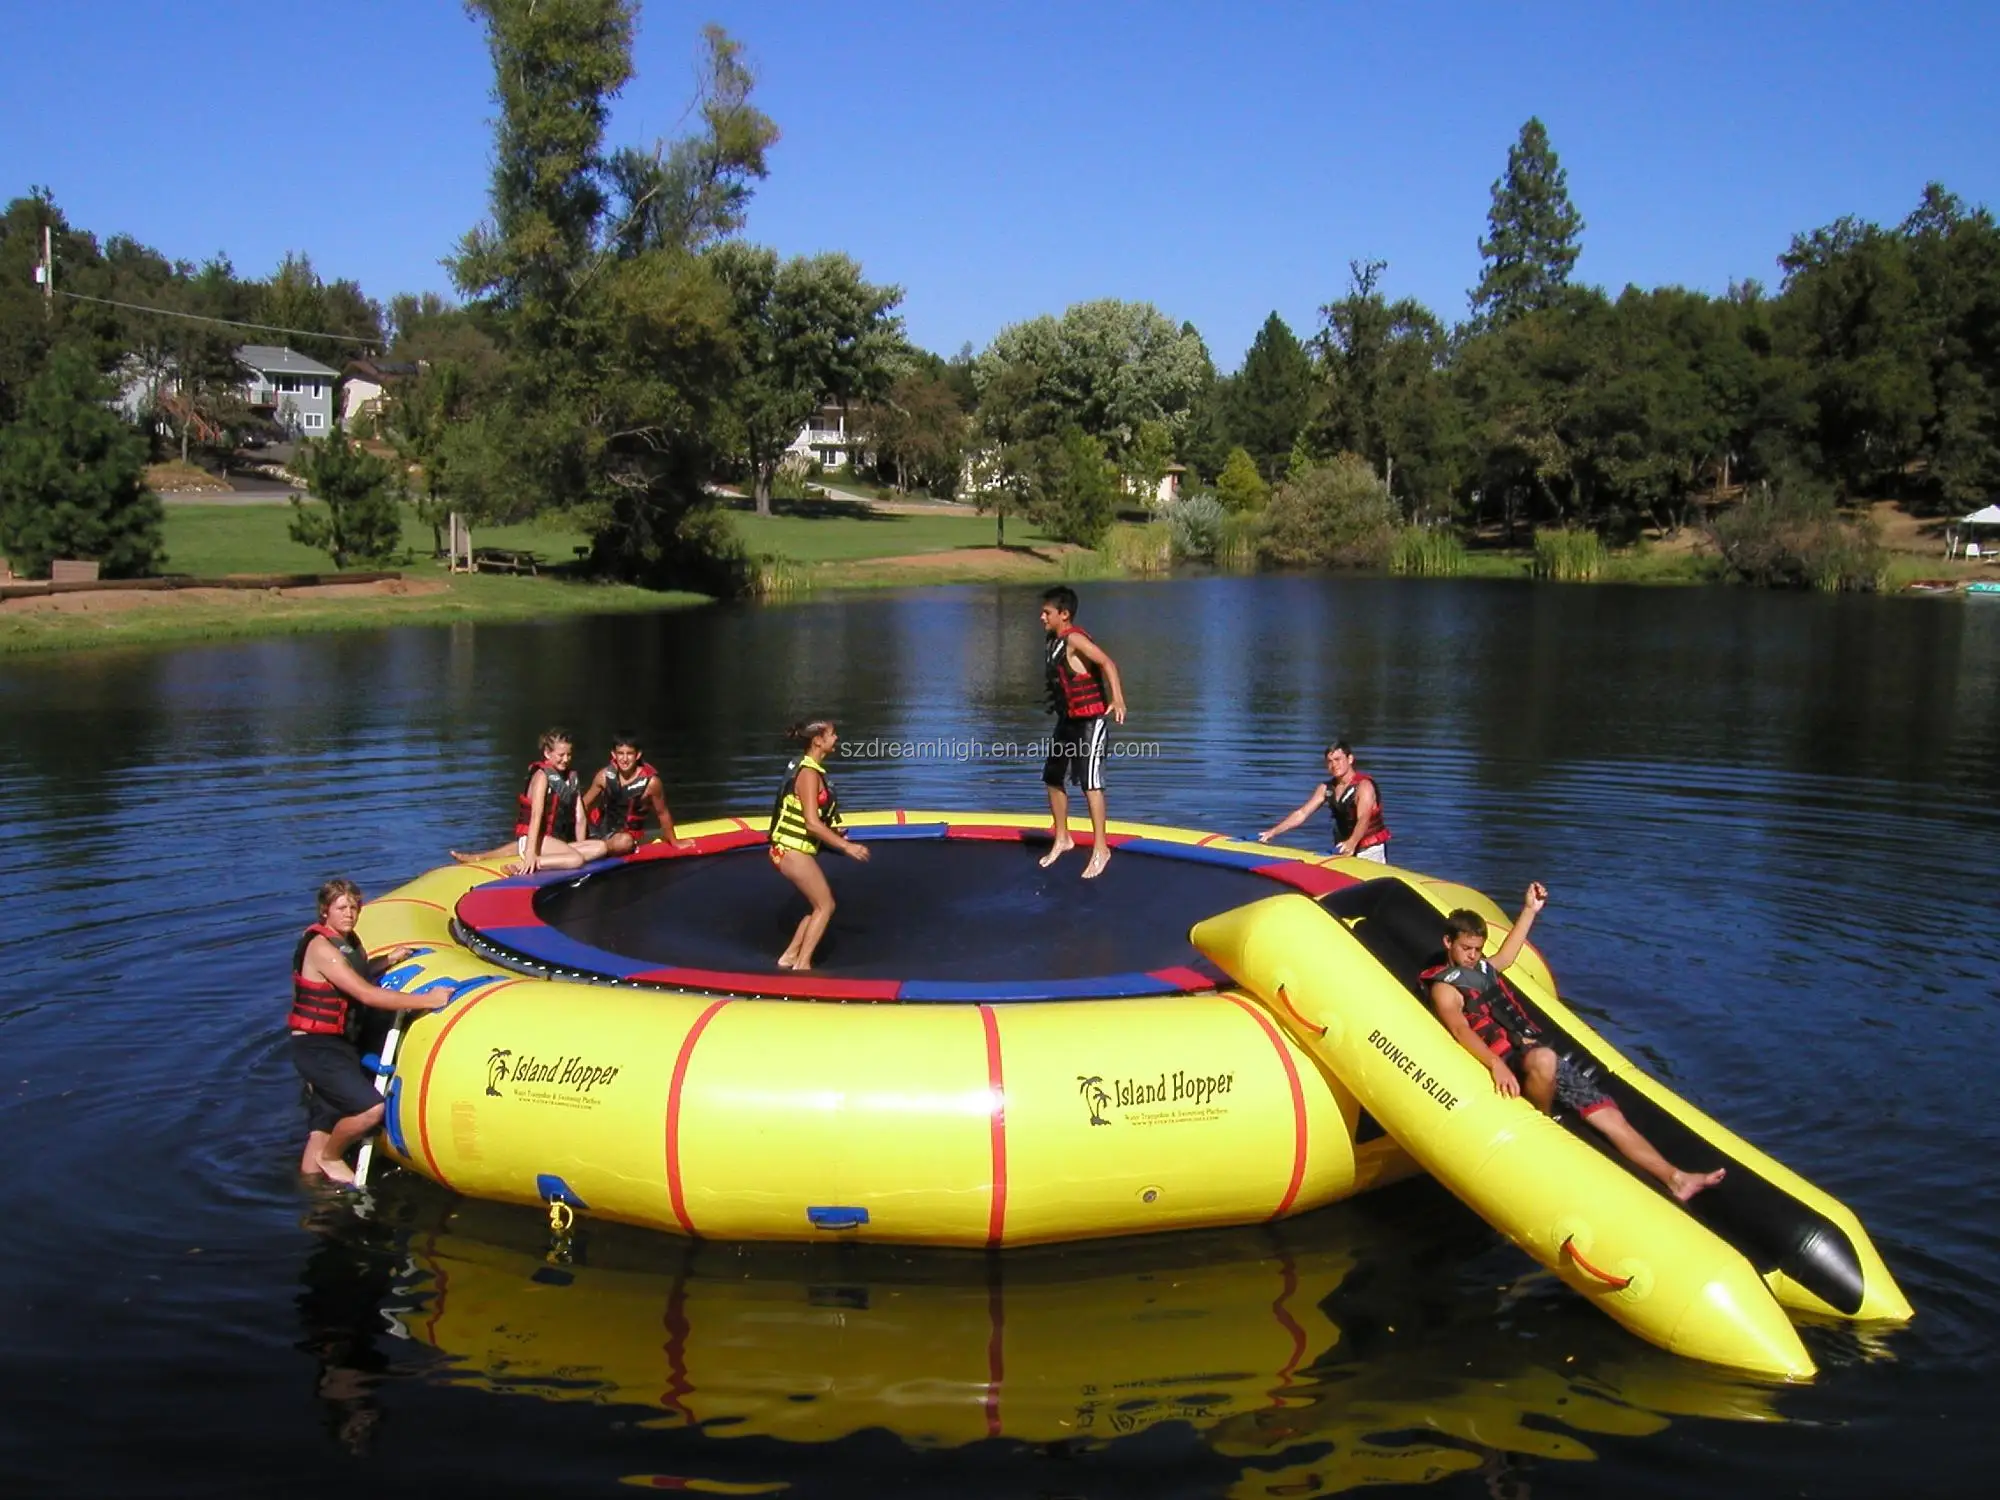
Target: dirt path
{"points": [[166, 601]]}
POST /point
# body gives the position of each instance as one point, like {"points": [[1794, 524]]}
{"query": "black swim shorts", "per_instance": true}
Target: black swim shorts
{"points": [[336, 1085], [1579, 1089], [1076, 753]]}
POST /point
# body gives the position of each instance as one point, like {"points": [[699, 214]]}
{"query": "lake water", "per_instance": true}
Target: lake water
{"points": [[1772, 829]]}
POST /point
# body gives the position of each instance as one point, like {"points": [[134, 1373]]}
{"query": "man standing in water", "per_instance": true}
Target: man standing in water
{"points": [[1079, 676], [1487, 1019]]}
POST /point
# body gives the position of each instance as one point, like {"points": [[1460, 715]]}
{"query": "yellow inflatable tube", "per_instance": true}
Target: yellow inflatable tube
{"points": [[1615, 1240], [721, 1116], [1814, 1254]]}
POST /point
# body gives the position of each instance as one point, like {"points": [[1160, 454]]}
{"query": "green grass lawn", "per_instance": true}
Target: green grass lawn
{"points": [[211, 540], [846, 533]]}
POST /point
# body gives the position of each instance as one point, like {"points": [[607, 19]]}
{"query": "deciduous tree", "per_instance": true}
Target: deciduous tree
{"points": [[808, 330], [615, 333]]}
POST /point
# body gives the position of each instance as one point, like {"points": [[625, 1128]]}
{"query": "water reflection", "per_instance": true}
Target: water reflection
{"points": [[1310, 1358]]}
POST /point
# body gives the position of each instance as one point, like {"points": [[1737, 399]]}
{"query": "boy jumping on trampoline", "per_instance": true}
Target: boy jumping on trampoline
{"points": [[1487, 1019], [1079, 677]]}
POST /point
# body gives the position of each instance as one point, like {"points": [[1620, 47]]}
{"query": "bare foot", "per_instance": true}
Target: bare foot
{"points": [[1684, 1185], [315, 1144], [468, 859], [786, 961], [336, 1170], [1099, 858], [1057, 850]]}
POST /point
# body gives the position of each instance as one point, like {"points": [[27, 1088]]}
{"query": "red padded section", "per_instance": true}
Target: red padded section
{"points": [[780, 985], [1183, 978], [489, 906], [1314, 880]]}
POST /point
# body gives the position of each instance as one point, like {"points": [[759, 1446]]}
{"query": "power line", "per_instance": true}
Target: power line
{"points": [[168, 312]]}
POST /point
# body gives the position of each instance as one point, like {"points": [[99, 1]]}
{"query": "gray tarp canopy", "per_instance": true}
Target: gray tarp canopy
{"points": [[1963, 534]]}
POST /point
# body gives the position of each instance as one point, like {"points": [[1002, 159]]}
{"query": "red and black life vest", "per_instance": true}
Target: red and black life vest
{"points": [[1344, 804], [1492, 1009], [622, 808], [558, 807], [1072, 694], [317, 1007]]}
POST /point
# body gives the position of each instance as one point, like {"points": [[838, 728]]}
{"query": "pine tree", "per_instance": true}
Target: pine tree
{"points": [[1272, 398], [363, 520], [1533, 234], [72, 476]]}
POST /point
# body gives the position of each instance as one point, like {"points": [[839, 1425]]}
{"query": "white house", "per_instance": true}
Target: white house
{"points": [[362, 386], [825, 439]]}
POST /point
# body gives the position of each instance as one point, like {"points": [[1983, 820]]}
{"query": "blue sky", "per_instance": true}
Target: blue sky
{"points": [[1219, 160]]}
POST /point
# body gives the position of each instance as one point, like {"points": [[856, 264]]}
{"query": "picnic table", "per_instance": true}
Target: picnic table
{"points": [[505, 560]]}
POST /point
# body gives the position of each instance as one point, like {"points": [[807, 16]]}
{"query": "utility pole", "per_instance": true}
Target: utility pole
{"points": [[48, 274]]}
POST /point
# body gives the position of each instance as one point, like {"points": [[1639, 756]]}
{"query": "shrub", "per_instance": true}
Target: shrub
{"points": [[1144, 550], [706, 553], [1334, 515], [1427, 552], [1791, 535], [779, 577], [1569, 555], [1239, 486], [1194, 526], [1241, 541], [363, 519]]}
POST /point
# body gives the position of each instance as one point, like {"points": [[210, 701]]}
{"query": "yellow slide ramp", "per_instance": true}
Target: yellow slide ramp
{"points": [[1615, 1240]]}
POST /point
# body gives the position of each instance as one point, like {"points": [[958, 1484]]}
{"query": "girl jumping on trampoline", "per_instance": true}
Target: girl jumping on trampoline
{"points": [[804, 816]]}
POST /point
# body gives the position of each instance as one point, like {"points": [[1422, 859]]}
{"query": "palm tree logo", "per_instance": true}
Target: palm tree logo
{"points": [[496, 1070], [1094, 1097]]}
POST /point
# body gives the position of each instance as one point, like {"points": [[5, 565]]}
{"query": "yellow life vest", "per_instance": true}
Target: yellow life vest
{"points": [[788, 817]]}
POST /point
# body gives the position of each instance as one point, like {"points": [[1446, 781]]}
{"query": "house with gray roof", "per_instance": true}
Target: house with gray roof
{"points": [[293, 391]]}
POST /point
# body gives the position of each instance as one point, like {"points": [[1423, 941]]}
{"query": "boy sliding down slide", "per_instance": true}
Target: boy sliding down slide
{"points": [[1487, 1019]]}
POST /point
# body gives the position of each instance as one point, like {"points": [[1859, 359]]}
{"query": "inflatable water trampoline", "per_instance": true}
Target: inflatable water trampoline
{"points": [[1213, 1033]]}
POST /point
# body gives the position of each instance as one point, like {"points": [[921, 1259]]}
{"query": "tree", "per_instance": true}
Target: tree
{"points": [[615, 335], [917, 433], [296, 298], [363, 520], [1955, 260], [1104, 367], [72, 476], [808, 330], [1386, 398], [1240, 487], [1533, 233], [1271, 398], [1853, 314], [1072, 488], [1145, 461]]}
